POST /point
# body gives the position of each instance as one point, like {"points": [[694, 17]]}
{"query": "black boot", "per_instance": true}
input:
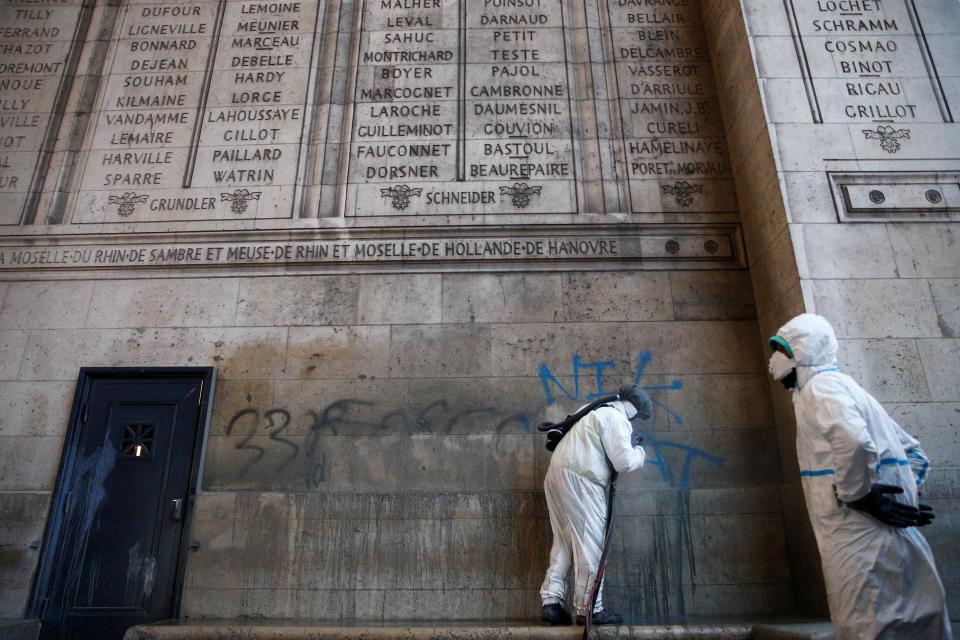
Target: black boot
{"points": [[601, 617], [555, 614]]}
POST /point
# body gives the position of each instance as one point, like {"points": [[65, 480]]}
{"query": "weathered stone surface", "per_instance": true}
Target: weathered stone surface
{"points": [[593, 297], [891, 370], [338, 352], [265, 302], [946, 298], [19, 629], [400, 299], [718, 295], [45, 305], [926, 251], [939, 358], [847, 251], [935, 425], [29, 463], [430, 351], [34, 409], [254, 353], [163, 303], [490, 298], [878, 308]]}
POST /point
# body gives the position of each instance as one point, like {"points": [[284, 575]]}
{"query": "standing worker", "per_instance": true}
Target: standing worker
{"points": [[861, 475], [576, 487]]}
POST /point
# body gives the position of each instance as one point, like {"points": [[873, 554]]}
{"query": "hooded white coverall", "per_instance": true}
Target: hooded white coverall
{"points": [[881, 581], [576, 489]]}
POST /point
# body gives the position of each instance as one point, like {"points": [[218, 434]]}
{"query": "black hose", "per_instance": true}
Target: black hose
{"points": [[602, 566]]}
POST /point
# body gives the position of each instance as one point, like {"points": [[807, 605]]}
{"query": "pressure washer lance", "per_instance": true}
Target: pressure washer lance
{"points": [[602, 566], [555, 432]]}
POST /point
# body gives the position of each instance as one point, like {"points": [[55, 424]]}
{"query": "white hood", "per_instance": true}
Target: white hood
{"points": [[813, 342]]}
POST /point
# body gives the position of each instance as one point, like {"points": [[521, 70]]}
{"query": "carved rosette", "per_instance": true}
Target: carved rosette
{"points": [[888, 136], [239, 198], [520, 193], [682, 192], [400, 195], [128, 202]]}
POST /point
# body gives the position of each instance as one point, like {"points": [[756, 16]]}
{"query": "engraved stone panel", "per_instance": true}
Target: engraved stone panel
{"points": [[867, 61], [36, 39], [461, 107], [202, 114], [882, 197], [673, 143]]}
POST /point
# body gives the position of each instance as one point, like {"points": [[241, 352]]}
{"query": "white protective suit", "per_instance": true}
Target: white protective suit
{"points": [[881, 581], [576, 488]]}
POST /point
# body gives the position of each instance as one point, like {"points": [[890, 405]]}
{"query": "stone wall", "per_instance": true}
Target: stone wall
{"points": [[385, 347], [373, 451]]}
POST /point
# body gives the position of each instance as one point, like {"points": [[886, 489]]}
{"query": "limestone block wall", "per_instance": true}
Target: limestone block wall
{"points": [[851, 119], [373, 451]]}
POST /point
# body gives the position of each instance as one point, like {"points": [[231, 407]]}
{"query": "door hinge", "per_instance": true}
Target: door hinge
{"points": [[84, 411]]}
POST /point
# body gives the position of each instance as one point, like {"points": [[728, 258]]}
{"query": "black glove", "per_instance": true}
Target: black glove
{"points": [[925, 516], [878, 505], [637, 439]]}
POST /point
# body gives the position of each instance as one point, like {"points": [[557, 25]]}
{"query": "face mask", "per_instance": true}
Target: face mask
{"points": [[780, 366]]}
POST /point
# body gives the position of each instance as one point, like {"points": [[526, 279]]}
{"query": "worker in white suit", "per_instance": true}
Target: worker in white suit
{"points": [[861, 475], [576, 488]]}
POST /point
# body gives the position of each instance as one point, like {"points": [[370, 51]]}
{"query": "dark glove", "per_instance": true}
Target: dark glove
{"points": [[878, 505], [925, 516], [636, 440], [926, 513]]}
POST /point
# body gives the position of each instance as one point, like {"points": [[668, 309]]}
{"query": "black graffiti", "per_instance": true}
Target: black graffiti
{"points": [[245, 441], [338, 419]]}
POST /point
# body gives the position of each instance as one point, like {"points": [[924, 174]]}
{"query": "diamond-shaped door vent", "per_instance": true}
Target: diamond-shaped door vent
{"points": [[137, 440]]}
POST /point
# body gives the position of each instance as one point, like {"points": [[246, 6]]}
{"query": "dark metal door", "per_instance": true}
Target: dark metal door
{"points": [[116, 539]]}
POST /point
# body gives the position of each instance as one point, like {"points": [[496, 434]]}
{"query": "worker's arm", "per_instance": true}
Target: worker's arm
{"points": [[616, 435], [852, 449], [919, 461]]}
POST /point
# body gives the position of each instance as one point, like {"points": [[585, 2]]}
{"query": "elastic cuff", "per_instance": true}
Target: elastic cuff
{"points": [[546, 601]]}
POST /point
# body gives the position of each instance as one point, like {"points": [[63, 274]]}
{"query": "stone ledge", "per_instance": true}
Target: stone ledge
{"points": [[19, 629], [689, 629]]}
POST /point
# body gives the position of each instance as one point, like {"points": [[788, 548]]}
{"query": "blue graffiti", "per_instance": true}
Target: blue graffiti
{"points": [[674, 474]]}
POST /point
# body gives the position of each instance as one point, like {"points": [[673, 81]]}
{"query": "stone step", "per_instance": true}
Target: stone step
{"points": [[19, 629], [276, 630]]}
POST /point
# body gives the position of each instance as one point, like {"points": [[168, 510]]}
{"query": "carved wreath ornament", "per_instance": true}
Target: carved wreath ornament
{"points": [[888, 136], [520, 194], [127, 202], [239, 199], [400, 195], [682, 192]]}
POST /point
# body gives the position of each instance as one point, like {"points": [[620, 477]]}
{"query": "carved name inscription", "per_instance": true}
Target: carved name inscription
{"points": [[708, 245], [203, 112], [35, 42], [867, 61], [461, 106], [673, 143]]}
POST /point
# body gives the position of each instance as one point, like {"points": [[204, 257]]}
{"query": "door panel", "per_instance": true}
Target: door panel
{"points": [[124, 489]]}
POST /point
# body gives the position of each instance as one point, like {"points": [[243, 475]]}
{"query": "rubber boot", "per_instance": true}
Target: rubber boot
{"points": [[555, 614], [601, 617]]}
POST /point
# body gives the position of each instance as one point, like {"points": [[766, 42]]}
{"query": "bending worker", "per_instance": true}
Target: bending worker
{"points": [[861, 474], [576, 488]]}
